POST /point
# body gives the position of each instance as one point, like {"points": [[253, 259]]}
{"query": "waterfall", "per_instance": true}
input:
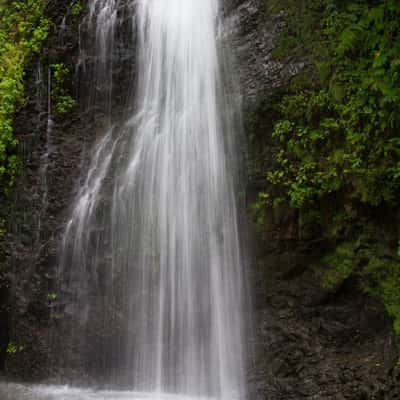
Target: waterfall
{"points": [[151, 265]]}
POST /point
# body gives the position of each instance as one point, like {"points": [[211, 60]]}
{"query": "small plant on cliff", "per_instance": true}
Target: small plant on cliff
{"points": [[13, 348], [3, 229], [76, 8], [63, 102], [258, 208], [51, 297]]}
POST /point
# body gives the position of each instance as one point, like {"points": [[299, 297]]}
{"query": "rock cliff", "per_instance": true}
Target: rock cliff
{"points": [[306, 343]]}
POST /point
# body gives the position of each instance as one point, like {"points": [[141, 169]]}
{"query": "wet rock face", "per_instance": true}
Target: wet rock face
{"points": [[4, 330], [38, 210], [254, 34], [316, 345], [307, 343]]}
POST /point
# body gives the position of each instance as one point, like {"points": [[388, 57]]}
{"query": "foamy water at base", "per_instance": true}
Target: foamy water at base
{"points": [[10, 391]]}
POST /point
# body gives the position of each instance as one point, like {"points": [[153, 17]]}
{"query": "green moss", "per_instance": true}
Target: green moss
{"points": [[23, 29], [285, 46], [338, 266], [382, 280], [376, 267], [303, 25]]}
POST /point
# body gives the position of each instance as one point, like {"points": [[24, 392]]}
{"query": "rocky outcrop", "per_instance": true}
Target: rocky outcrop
{"points": [[313, 344], [254, 31]]}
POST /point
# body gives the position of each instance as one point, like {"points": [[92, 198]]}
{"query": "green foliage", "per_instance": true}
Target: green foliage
{"points": [[13, 348], [303, 19], [23, 28], [258, 209], [76, 8], [51, 297], [383, 281], [337, 137], [339, 265], [375, 265], [342, 137], [63, 103], [3, 229]]}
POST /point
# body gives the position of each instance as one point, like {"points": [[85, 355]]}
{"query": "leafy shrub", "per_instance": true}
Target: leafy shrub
{"points": [[63, 103], [23, 29], [338, 137], [76, 8], [342, 137]]}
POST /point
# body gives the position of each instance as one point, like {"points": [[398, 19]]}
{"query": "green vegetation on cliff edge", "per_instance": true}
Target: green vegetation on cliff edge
{"points": [[338, 138], [23, 28]]}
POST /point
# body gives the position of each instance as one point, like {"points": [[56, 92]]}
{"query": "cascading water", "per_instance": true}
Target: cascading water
{"points": [[152, 248]]}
